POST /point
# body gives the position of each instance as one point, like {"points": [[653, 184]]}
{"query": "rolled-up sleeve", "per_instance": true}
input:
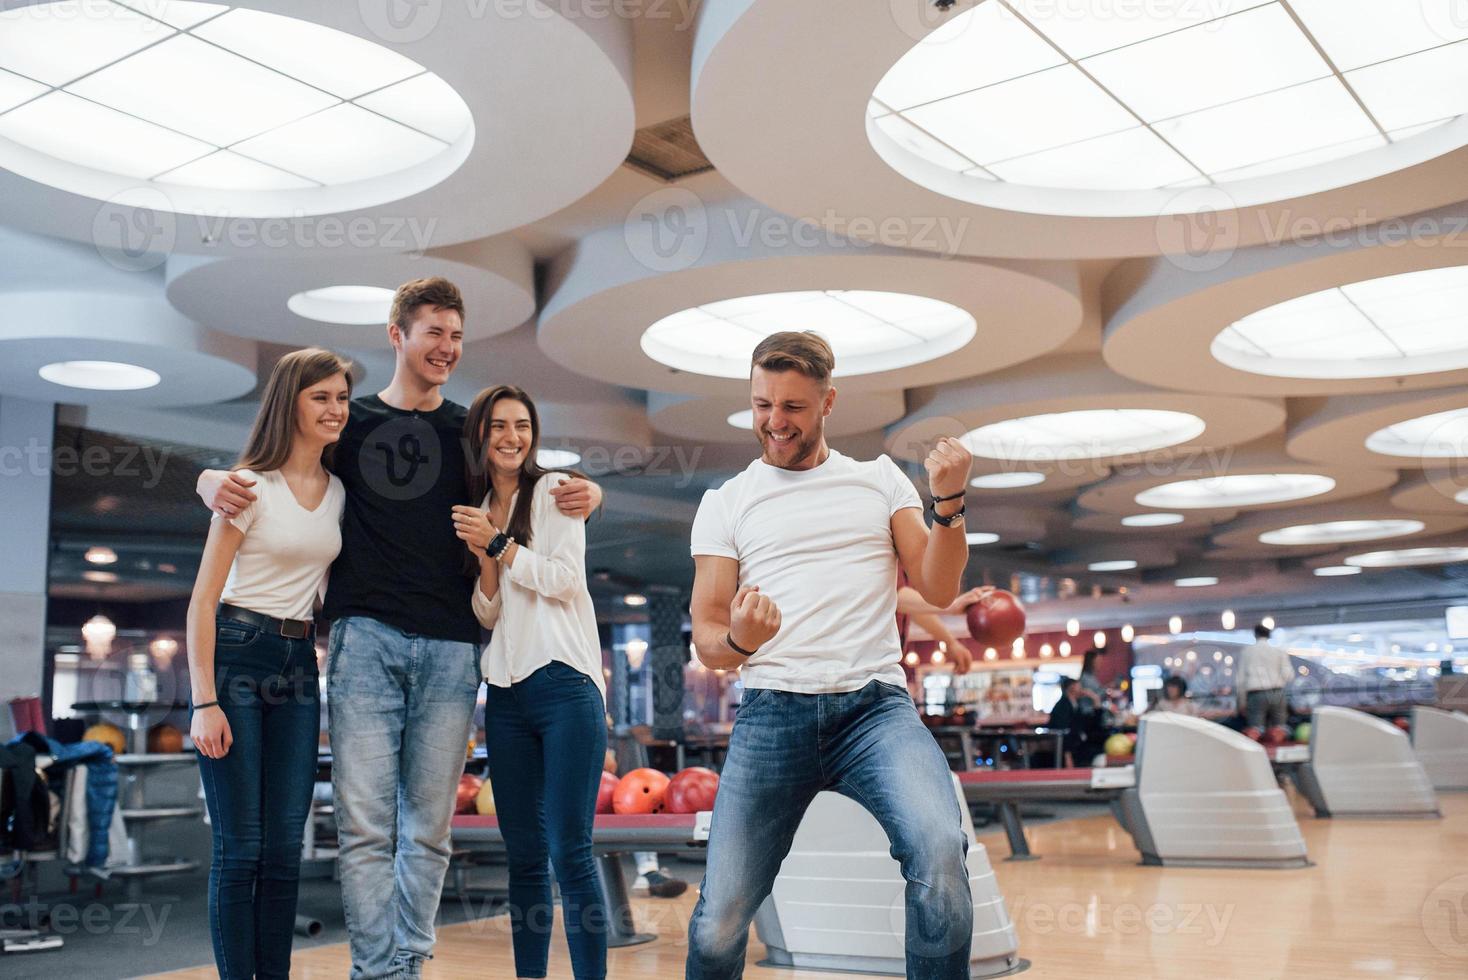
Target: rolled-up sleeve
{"points": [[486, 610], [557, 565]]}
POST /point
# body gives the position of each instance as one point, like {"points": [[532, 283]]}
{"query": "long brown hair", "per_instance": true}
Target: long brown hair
{"points": [[476, 432], [269, 445]]}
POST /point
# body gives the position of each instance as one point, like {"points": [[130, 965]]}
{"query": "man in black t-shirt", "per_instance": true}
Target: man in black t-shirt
{"points": [[403, 663]]}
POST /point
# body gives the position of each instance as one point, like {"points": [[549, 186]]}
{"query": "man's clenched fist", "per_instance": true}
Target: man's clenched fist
{"points": [[754, 619]]}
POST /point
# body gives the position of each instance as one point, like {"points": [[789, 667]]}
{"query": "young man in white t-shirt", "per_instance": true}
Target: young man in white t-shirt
{"points": [[796, 565]]}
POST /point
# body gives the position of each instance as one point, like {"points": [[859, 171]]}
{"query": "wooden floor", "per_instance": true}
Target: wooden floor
{"points": [[1385, 899]]}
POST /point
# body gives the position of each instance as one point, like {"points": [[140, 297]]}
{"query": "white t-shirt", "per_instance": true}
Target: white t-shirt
{"points": [[281, 566], [819, 543], [1264, 667], [542, 610]]}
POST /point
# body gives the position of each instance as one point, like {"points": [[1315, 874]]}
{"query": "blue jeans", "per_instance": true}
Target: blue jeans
{"points": [[259, 795], [868, 745], [400, 706], [546, 737]]}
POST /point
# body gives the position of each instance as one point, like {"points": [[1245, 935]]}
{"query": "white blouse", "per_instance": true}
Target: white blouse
{"points": [[542, 611]]}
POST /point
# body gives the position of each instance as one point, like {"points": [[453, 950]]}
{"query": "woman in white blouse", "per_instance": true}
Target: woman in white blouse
{"points": [[544, 713]]}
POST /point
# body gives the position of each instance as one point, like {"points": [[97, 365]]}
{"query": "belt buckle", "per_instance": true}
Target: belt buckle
{"points": [[295, 629]]}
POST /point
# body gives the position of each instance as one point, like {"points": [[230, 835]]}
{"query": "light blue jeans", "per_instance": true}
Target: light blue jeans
{"points": [[400, 707], [868, 745]]}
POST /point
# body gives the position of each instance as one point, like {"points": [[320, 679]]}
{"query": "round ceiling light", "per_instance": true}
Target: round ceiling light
{"points": [[1196, 582], [1413, 323], [1340, 532], [743, 419], [1024, 94], [557, 459], [100, 375], [1334, 571], [1241, 490], [981, 537], [360, 305], [1442, 435], [1404, 557], [1461, 496], [220, 110], [1007, 481], [1152, 520], [1119, 565], [1085, 434], [869, 331]]}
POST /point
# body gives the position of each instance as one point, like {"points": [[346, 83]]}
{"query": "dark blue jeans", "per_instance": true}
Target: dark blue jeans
{"points": [[868, 745], [259, 795], [546, 737]]}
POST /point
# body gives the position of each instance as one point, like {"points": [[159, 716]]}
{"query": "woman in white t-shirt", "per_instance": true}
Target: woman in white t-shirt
{"points": [[544, 725], [256, 712]]}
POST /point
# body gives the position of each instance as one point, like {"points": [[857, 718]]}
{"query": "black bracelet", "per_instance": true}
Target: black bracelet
{"points": [[953, 496], [497, 545], [951, 519], [729, 642], [206, 704]]}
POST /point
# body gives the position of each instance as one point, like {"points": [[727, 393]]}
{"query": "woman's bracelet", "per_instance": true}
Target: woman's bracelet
{"points": [[206, 704]]}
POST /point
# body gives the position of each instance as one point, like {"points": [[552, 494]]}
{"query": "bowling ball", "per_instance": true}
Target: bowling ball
{"points": [[1403, 722], [108, 734], [692, 790], [165, 739], [640, 791], [609, 783], [469, 786], [1118, 746], [1278, 735], [1302, 732], [1254, 733], [996, 620], [1132, 737], [484, 801]]}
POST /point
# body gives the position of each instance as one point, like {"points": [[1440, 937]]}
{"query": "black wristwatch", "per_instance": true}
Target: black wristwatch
{"points": [[497, 545], [951, 519]]}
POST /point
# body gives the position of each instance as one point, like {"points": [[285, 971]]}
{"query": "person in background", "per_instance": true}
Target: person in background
{"points": [[1066, 716], [1174, 698], [256, 712], [1091, 687], [1263, 674]]}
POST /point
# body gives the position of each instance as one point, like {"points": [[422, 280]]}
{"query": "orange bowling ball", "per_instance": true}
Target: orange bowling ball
{"points": [[996, 620], [609, 783], [108, 735], [165, 739], [640, 791]]}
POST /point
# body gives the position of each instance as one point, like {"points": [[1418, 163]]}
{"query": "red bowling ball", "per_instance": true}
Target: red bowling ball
{"points": [[609, 783], [996, 620], [692, 790], [469, 785]]}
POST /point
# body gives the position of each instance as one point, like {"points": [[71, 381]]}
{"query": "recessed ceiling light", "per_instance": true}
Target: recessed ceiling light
{"points": [[1399, 325], [1007, 481], [1085, 434], [1241, 490], [1332, 571], [1152, 520], [981, 537], [1331, 532], [223, 110], [742, 419], [1403, 557], [557, 459], [96, 575], [1461, 496], [1442, 435], [1196, 582], [344, 304], [1119, 565], [99, 555], [868, 331], [100, 375], [634, 599], [1026, 94]]}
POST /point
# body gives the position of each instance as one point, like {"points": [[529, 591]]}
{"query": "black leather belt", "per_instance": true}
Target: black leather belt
{"points": [[296, 629]]}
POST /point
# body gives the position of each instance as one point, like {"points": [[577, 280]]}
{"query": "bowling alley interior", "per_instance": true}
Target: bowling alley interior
{"points": [[1173, 292]]}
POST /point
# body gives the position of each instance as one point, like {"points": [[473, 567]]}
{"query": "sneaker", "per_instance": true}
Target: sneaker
{"points": [[660, 885]]}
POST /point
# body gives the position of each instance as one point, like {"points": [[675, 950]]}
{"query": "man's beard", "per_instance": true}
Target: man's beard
{"points": [[800, 450]]}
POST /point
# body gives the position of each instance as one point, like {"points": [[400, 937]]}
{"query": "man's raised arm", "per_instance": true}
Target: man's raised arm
{"points": [[729, 623]]}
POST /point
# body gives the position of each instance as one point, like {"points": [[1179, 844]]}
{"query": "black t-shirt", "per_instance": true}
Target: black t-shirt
{"points": [[400, 561]]}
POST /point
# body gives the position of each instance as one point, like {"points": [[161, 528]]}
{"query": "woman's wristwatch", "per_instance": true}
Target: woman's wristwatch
{"points": [[497, 545]]}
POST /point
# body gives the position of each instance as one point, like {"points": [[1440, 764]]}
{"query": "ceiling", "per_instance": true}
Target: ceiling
{"points": [[1079, 301]]}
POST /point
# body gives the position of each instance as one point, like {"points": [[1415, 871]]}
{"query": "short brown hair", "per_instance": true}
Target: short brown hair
{"points": [[435, 291], [796, 350]]}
